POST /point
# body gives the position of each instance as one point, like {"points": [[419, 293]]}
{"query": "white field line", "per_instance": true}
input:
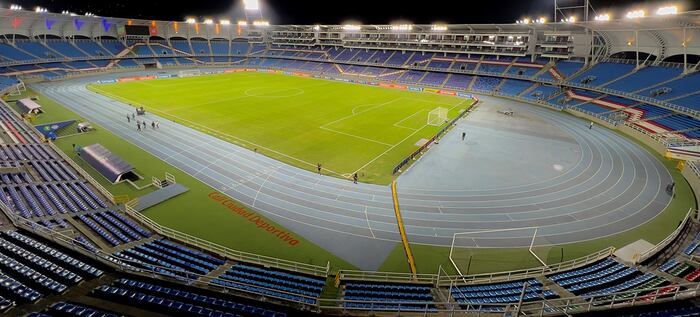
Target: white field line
{"points": [[216, 132], [397, 144], [398, 124], [354, 136]]}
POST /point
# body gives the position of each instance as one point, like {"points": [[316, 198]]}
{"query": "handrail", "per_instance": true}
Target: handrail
{"points": [[227, 252], [526, 273], [665, 242]]}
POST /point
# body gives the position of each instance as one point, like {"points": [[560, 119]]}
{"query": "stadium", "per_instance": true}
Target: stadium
{"points": [[238, 167]]}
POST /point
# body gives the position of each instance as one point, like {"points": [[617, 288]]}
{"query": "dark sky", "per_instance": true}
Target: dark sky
{"points": [[333, 12]]}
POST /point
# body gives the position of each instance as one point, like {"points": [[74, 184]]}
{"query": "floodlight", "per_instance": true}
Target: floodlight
{"points": [[261, 23], [225, 22], [635, 14], [242, 23], [40, 10], [541, 20], [191, 20], [208, 21], [251, 4], [602, 17], [317, 27], [669, 10], [402, 27], [438, 27], [15, 7], [351, 27]]}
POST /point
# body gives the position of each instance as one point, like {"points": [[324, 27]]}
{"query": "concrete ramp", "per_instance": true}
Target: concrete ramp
{"points": [[159, 196], [631, 252]]}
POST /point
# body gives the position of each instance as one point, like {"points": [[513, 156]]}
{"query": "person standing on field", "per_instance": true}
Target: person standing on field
{"points": [[464, 135], [354, 178], [128, 119], [590, 126], [319, 168]]}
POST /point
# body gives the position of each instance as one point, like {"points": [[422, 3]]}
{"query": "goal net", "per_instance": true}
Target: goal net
{"points": [[437, 116], [189, 73]]}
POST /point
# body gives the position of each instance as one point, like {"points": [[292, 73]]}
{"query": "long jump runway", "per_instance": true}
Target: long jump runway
{"points": [[613, 185]]}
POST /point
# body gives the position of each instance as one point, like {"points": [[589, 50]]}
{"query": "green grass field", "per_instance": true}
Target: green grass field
{"points": [[347, 128]]}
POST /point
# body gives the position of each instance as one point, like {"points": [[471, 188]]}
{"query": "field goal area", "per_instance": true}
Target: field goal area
{"points": [[438, 116], [189, 73], [484, 248]]}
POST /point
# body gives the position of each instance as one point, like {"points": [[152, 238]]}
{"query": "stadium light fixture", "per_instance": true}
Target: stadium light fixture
{"points": [[541, 20], [571, 19], [15, 7], [191, 20], [261, 23], [242, 23], [438, 28], [635, 14], [668, 10], [208, 21], [602, 17], [89, 14], [225, 22], [351, 27], [402, 27], [252, 5], [40, 10]]}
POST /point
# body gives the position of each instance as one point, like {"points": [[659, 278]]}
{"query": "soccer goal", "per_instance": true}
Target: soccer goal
{"points": [[189, 73], [487, 247], [437, 116]]}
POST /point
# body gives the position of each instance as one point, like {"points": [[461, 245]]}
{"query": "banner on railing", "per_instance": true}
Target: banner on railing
{"points": [[108, 81], [411, 88], [447, 92], [135, 78]]}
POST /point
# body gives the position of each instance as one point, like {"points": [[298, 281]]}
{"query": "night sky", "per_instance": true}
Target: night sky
{"points": [[332, 12]]}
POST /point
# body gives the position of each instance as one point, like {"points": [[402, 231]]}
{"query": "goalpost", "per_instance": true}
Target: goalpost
{"points": [[189, 73], [437, 116]]}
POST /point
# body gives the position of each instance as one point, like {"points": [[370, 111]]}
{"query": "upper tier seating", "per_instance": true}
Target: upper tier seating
{"points": [[602, 73]]}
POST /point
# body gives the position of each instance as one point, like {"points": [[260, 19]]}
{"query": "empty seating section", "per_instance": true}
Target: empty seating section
{"points": [[273, 282], [220, 48], [458, 81], [65, 48], [501, 293], [31, 269], [645, 77], [604, 278], [73, 309], [166, 254], [679, 123], [387, 296], [485, 83], [513, 87], [602, 73], [10, 52], [178, 301], [568, 68], [37, 49]]}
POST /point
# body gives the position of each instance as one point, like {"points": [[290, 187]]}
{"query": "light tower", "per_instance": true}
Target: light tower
{"points": [[568, 10], [252, 11]]}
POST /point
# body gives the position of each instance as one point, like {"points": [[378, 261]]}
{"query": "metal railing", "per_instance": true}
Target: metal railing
{"points": [[446, 280], [228, 252], [667, 241]]}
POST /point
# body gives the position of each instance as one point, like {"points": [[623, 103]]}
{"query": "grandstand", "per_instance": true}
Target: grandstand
{"points": [[261, 234]]}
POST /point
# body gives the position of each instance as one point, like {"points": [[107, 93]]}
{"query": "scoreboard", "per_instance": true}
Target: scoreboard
{"points": [[136, 31]]}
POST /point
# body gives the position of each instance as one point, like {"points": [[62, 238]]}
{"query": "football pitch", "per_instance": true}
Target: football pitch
{"points": [[347, 128]]}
